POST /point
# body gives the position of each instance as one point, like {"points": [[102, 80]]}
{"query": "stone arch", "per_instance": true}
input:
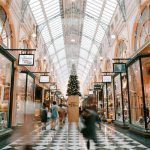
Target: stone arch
{"points": [[135, 25], [5, 6]]}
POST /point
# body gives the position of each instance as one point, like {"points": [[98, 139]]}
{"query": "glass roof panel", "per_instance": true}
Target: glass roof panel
{"points": [[82, 61], [61, 54], [90, 58], [63, 62], [89, 27], [83, 53], [86, 43], [48, 12], [51, 50], [94, 50], [59, 43], [80, 67], [55, 59], [56, 27]]}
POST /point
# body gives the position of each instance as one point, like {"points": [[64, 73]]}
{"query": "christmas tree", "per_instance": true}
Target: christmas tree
{"points": [[73, 83]]}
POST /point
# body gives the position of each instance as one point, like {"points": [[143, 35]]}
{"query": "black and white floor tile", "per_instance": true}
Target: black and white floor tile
{"points": [[69, 138]]}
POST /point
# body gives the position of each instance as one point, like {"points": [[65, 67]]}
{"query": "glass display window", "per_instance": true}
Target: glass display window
{"points": [[146, 78], [110, 102], [5, 83], [25, 97], [105, 101], [20, 98], [47, 98], [135, 92], [118, 98], [125, 97]]}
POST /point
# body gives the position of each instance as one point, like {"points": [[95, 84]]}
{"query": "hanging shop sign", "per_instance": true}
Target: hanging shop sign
{"points": [[119, 67], [85, 97], [58, 93], [90, 92], [107, 79], [53, 88], [44, 79], [97, 86], [26, 60]]}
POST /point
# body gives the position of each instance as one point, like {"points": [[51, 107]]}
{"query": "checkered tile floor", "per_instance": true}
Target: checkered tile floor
{"points": [[69, 138]]}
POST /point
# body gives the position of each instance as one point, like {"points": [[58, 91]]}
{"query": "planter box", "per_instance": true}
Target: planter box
{"points": [[73, 109]]}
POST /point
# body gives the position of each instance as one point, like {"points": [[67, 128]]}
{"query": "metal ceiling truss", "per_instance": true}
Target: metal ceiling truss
{"points": [[98, 23], [52, 41], [41, 26], [121, 4], [68, 30], [25, 4], [49, 30]]}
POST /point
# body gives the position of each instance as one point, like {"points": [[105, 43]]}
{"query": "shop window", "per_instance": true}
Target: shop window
{"points": [[5, 30], [5, 83], [135, 92], [142, 33], [20, 98], [118, 98], [25, 97], [146, 77], [122, 100]]}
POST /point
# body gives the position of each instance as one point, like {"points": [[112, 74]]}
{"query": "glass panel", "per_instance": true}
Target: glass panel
{"points": [[146, 77], [82, 61], [86, 43], [83, 54], [135, 91], [20, 98], [63, 62], [30, 96], [51, 50], [118, 98], [94, 50], [5, 82], [61, 54], [110, 102], [105, 102], [125, 97], [59, 43]]}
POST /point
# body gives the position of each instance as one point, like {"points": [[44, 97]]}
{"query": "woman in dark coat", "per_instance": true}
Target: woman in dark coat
{"points": [[44, 116], [89, 120]]}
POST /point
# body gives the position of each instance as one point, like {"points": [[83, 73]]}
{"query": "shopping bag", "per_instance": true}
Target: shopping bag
{"points": [[49, 115], [81, 127]]}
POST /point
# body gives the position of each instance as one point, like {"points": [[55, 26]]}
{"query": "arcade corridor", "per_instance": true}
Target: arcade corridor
{"points": [[69, 138]]}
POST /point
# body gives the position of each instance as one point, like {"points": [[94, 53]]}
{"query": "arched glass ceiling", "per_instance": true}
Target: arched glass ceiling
{"points": [[72, 31]]}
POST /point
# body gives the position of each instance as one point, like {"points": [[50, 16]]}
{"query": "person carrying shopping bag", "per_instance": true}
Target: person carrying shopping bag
{"points": [[89, 130], [44, 116], [54, 115]]}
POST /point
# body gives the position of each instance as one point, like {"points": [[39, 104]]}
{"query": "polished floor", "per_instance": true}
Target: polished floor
{"points": [[69, 138]]}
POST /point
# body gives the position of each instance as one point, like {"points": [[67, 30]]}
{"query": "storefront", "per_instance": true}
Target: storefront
{"points": [[47, 98], [38, 102], [108, 101], [25, 90], [6, 88], [121, 99], [139, 87]]}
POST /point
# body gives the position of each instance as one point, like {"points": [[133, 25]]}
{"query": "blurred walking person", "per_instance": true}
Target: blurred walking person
{"points": [[89, 130], [44, 116], [54, 115], [61, 112]]}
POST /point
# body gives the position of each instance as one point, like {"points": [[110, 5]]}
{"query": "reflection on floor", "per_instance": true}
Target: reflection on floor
{"points": [[69, 138]]}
